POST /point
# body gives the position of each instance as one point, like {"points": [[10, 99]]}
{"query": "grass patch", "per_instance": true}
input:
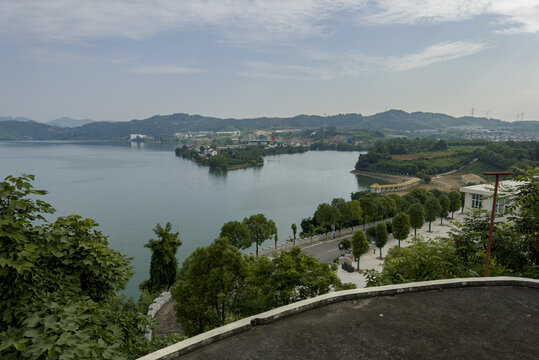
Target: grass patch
{"points": [[478, 168]]}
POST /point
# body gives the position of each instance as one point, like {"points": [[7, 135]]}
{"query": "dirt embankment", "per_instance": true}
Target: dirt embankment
{"points": [[390, 178]]}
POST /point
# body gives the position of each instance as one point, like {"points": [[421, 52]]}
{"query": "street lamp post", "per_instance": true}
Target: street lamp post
{"points": [[497, 174]]}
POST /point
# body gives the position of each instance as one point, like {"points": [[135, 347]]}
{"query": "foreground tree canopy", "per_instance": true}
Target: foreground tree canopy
{"points": [[217, 284], [59, 282]]}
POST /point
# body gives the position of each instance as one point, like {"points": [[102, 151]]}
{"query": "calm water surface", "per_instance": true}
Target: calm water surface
{"points": [[129, 188]]}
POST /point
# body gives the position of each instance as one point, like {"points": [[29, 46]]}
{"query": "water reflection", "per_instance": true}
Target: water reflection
{"points": [[218, 173]]}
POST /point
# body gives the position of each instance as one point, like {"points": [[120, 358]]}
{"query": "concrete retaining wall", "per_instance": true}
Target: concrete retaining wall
{"points": [[155, 306], [212, 336]]}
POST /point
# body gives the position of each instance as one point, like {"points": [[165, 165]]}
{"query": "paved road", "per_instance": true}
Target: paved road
{"points": [[328, 250]]}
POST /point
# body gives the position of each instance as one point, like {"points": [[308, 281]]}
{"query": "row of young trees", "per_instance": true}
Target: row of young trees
{"points": [[515, 245], [366, 207]]}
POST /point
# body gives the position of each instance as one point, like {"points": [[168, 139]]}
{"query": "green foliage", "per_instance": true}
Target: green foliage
{"points": [[380, 239], [417, 216], [292, 276], [428, 260], [401, 227], [379, 158], [515, 249], [424, 176], [371, 233], [359, 194], [360, 245], [146, 298], [344, 246], [163, 265], [58, 284], [235, 158], [389, 226], [207, 282], [432, 209], [421, 167], [260, 229], [216, 285], [370, 208], [326, 215], [237, 234], [454, 201], [445, 203]]}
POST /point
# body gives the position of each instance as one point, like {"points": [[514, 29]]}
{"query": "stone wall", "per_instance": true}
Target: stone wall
{"points": [[155, 306]]}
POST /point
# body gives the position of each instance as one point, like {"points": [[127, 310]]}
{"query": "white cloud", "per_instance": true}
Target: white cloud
{"points": [[244, 20], [259, 69], [254, 19], [515, 16], [519, 16], [358, 64], [433, 54], [167, 69]]}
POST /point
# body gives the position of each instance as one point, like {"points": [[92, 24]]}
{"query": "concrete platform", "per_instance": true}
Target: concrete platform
{"points": [[495, 318]]}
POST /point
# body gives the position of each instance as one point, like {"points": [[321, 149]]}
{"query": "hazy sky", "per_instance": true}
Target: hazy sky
{"points": [[130, 59]]}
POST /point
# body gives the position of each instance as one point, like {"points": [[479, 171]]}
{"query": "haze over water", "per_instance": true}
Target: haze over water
{"points": [[128, 188]]}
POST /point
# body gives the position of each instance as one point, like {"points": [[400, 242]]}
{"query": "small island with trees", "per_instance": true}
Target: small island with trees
{"points": [[234, 157]]}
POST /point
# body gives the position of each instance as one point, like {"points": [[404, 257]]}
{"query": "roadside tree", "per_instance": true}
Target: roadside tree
{"points": [[360, 245], [357, 212], [326, 215], [370, 209], [237, 233], [260, 229], [445, 203], [294, 231], [345, 246], [432, 209], [417, 216], [401, 227], [381, 236], [454, 202]]}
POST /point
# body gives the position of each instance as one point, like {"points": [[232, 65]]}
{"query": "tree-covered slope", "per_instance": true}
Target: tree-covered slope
{"points": [[167, 125]]}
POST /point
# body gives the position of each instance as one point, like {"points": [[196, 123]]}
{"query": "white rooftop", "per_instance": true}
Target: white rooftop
{"points": [[486, 189]]}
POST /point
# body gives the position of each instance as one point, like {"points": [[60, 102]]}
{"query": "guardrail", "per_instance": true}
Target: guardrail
{"points": [[301, 242]]}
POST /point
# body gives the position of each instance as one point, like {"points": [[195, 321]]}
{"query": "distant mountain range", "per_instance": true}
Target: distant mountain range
{"points": [[393, 121], [69, 122]]}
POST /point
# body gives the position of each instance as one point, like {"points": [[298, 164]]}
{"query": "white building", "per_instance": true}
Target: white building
{"points": [[480, 196], [135, 137]]}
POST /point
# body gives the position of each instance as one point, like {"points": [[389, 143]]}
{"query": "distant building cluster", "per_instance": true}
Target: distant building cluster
{"points": [[501, 135]]}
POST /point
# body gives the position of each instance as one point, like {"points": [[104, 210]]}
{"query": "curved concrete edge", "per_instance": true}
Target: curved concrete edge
{"points": [[212, 336], [154, 307]]}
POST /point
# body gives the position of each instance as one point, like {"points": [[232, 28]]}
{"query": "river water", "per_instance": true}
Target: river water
{"points": [[128, 188]]}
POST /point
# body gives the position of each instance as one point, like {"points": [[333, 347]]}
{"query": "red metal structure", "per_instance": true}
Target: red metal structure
{"points": [[492, 214]]}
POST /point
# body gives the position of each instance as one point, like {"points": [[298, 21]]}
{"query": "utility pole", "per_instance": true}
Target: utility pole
{"points": [[492, 214]]}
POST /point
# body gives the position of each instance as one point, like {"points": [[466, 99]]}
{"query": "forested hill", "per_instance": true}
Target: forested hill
{"points": [[167, 125]]}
